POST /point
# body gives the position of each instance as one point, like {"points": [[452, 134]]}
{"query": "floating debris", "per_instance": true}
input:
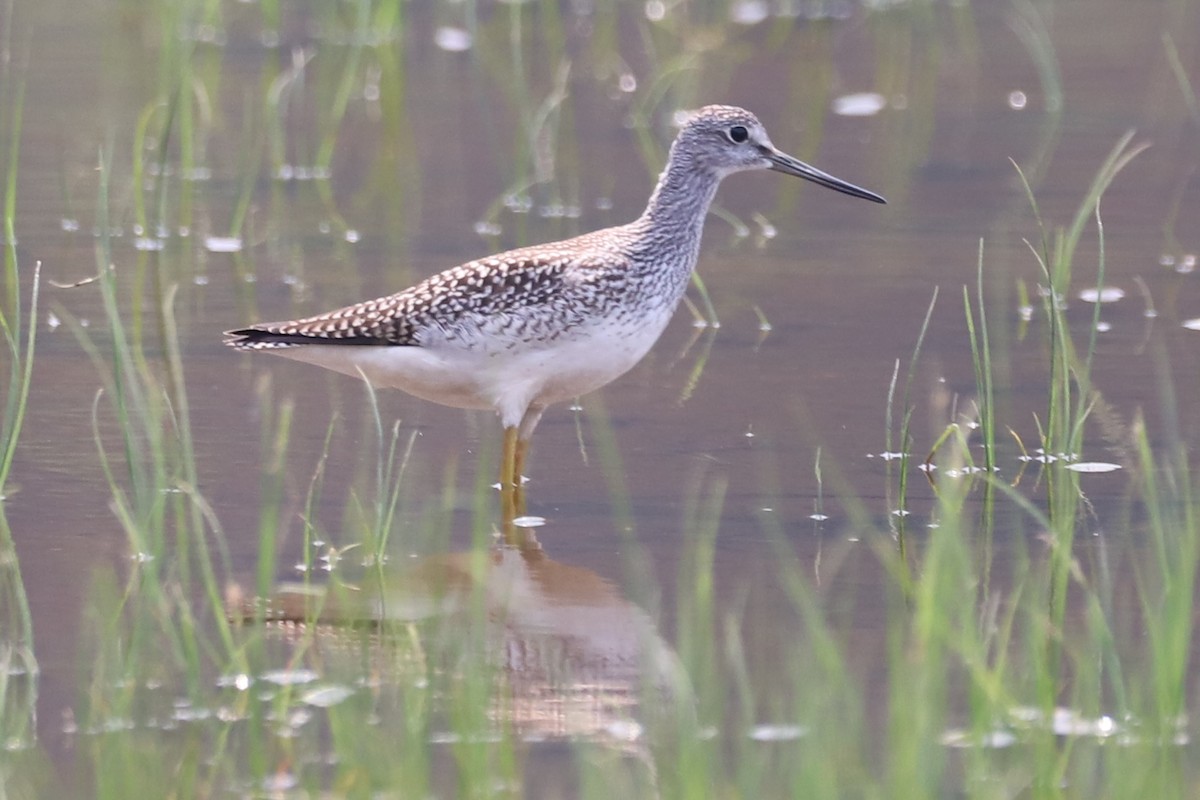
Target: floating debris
{"points": [[529, 522], [1102, 294], [861, 104], [749, 12], [627, 730], [990, 740], [148, 244], [241, 681], [452, 40], [186, 712], [223, 244], [1093, 466], [326, 696], [289, 677], [1017, 100], [776, 733]]}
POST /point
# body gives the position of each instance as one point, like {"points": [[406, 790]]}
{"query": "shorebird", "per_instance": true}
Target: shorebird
{"points": [[518, 331]]}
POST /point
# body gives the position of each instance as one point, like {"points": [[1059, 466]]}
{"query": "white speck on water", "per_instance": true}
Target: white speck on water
{"points": [[627, 730], [452, 40], [627, 82], [656, 10], [749, 12], [52, 321], [1068, 722], [200, 280], [901, 512], [529, 521], [241, 681], [992, 740], [776, 733], [223, 244], [326, 696], [1103, 327], [1166, 260], [485, 228], [279, 782], [198, 174], [289, 677], [1017, 100], [818, 517], [1187, 263], [1093, 466], [1192, 324], [351, 236], [185, 712], [1102, 294], [859, 104], [69, 224], [1025, 313]]}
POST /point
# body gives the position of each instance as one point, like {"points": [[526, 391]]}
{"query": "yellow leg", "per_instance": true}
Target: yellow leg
{"points": [[509, 486], [519, 455], [508, 460], [512, 492]]}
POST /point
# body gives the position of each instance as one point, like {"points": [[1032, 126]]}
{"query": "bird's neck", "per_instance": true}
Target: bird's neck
{"points": [[679, 204]]}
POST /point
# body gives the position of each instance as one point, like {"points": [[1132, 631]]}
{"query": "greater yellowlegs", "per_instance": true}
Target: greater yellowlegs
{"points": [[518, 331]]}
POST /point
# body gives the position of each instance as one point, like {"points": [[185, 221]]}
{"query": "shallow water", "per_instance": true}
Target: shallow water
{"points": [[433, 141]]}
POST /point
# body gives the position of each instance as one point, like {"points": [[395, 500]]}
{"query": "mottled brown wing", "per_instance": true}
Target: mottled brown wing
{"points": [[447, 300]]}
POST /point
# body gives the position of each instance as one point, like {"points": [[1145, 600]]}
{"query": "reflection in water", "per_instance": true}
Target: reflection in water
{"points": [[576, 658]]}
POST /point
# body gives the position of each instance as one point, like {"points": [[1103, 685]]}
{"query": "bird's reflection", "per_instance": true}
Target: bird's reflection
{"points": [[576, 658]]}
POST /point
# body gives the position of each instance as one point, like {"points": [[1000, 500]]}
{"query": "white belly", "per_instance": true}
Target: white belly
{"points": [[484, 377]]}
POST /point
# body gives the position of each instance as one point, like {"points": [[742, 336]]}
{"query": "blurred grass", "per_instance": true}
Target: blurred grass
{"points": [[19, 669]]}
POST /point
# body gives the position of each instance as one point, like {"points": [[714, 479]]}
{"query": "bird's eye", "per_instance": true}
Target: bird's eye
{"points": [[738, 134]]}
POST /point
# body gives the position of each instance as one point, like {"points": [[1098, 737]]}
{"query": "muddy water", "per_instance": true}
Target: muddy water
{"points": [[431, 143]]}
